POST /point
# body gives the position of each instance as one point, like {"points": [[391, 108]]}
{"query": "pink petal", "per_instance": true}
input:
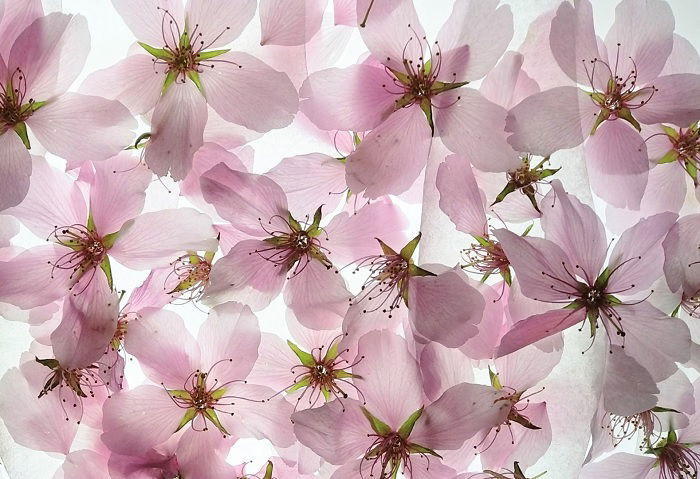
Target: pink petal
{"points": [[216, 23], [152, 240], [135, 81], [290, 24], [445, 308], [29, 280], [637, 258], [41, 425], [230, 337], [147, 20], [252, 203], [572, 39], [177, 130], [197, 456], [654, 339], [268, 419], [677, 100], [553, 120], [443, 368], [54, 199], [85, 464], [393, 33], [524, 369], [51, 53], [485, 146], [15, 170], [275, 360], [153, 292], [507, 84], [391, 156], [117, 182], [138, 419], [460, 413], [494, 323], [525, 445], [317, 295], [16, 16], [539, 62], [243, 275], [305, 192], [644, 54], [166, 350], [684, 57], [679, 259], [539, 326], [265, 98], [628, 388], [473, 39], [101, 127], [88, 325], [392, 398], [618, 166], [345, 12], [575, 228], [539, 264], [460, 197], [336, 432], [353, 236], [622, 464], [355, 98]]}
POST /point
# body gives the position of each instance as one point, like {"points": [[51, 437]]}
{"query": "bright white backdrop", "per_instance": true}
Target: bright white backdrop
{"points": [[110, 42]]}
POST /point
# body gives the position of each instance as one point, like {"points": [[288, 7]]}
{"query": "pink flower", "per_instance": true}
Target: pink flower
{"points": [[283, 250], [440, 307], [185, 69], [394, 429], [625, 82], [83, 237], [202, 387], [567, 268], [45, 58], [682, 262], [410, 87]]}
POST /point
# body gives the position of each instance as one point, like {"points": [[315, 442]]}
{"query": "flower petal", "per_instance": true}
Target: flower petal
{"points": [[460, 196], [178, 130], [148, 21], [265, 98], [539, 326], [355, 98], [288, 24], [391, 156], [15, 169], [676, 100], [631, 466], [217, 24]]}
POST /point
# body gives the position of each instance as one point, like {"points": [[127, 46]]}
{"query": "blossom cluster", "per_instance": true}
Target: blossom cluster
{"points": [[399, 361]]}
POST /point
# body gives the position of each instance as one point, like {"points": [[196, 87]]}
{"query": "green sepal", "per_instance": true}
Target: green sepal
{"points": [[211, 414], [602, 115], [663, 409], [407, 427], [427, 108], [194, 76], [386, 249], [598, 97], [418, 449], [298, 385], [507, 276], [671, 132], [109, 240], [626, 114], [185, 39], [159, 53], [21, 130], [320, 256], [692, 171], [33, 106], [527, 230], [49, 363], [495, 381], [669, 157], [402, 77], [107, 268], [209, 255], [484, 277], [592, 316], [331, 353], [211, 54], [533, 201], [574, 305], [218, 394], [481, 240], [305, 358], [602, 279], [183, 285], [441, 87], [190, 414], [547, 172], [296, 227], [179, 393], [90, 223], [410, 248], [268, 470], [377, 425], [142, 137], [509, 188], [356, 140], [672, 437], [316, 225], [326, 393], [344, 375], [674, 313], [414, 270], [169, 80], [405, 100]]}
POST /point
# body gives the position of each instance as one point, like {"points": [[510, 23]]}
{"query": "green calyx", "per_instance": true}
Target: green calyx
{"points": [[525, 180]]}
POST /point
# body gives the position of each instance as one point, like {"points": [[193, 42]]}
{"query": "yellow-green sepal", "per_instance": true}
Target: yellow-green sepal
{"points": [[190, 414], [106, 267], [169, 80], [377, 424], [211, 54], [410, 248], [495, 381], [21, 130], [305, 358], [194, 76], [407, 427], [268, 470], [159, 53]]}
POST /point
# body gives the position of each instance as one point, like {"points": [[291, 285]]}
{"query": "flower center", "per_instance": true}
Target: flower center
{"points": [[387, 453], [691, 305], [485, 258], [13, 109], [87, 249], [626, 427], [678, 461], [191, 271], [387, 285]]}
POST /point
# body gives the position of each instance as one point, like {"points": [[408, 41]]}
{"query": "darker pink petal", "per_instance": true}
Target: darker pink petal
{"points": [[539, 326], [15, 170], [460, 196]]}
